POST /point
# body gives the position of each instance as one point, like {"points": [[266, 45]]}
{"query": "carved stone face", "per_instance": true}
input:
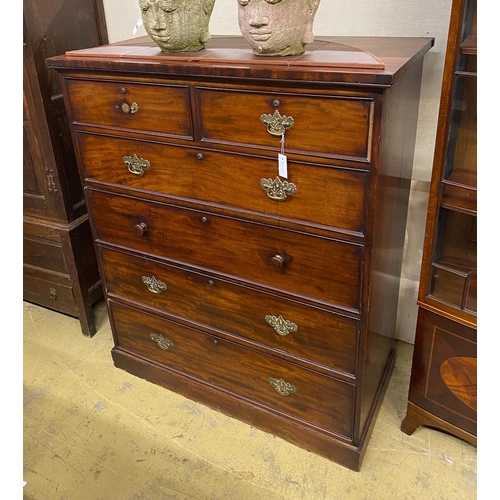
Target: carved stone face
{"points": [[177, 25], [277, 27]]}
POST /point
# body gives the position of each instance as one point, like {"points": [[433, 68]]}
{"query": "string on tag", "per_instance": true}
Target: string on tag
{"points": [[138, 24], [282, 161]]}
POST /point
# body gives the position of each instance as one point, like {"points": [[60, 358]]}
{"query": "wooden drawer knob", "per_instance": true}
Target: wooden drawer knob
{"points": [[140, 229], [128, 109], [276, 262]]}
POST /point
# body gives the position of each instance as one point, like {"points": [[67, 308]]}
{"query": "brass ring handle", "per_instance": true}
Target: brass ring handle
{"points": [[163, 342], [283, 388], [140, 229], [276, 262], [127, 108], [277, 124], [277, 189], [154, 285], [136, 165], [282, 326]]}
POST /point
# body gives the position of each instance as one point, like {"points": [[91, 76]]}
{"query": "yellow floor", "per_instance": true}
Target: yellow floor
{"points": [[94, 432]]}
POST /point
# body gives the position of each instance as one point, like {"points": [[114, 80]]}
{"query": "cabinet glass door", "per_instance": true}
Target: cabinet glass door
{"points": [[453, 276]]}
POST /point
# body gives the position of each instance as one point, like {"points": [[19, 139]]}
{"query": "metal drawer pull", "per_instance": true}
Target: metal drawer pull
{"points": [[281, 325], [282, 387], [154, 285], [278, 190], [277, 124], [136, 165], [163, 342]]}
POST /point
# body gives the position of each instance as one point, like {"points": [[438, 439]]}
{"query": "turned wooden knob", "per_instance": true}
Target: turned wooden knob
{"points": [[276, 262], [140, 229]]}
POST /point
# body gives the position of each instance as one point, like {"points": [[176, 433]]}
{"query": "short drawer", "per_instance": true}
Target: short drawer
{"points": [[305, 333], [304, 264], [304, 394], [44, 254], [49, 290], [338, 126], [157, 108], [325, 195]]}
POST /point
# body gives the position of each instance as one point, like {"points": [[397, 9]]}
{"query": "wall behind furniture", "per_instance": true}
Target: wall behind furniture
{"points": [[360, 18]]}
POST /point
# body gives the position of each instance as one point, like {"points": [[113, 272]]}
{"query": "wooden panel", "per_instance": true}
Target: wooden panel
{"points": [[323, 401], [49, 290], [324, 194], [44, 254], [444, 378], [163, 109], [321, 268], [321, 337], [329, 126]]}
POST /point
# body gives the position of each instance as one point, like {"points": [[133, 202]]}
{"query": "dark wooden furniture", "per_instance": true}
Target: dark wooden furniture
{"points": [[443, 386], [272, 299], [59, 265]]}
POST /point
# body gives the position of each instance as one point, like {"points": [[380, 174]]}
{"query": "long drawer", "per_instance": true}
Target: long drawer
{"points": [[339, 126], [280, 386], [315, 267], [324, 195], [305, 333], [156, 108]]}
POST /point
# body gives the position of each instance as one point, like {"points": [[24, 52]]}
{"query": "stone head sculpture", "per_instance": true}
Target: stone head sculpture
{"points": [[277, 27], [177, 25]]}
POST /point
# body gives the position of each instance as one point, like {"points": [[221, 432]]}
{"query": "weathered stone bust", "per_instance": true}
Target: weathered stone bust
{"points": [[277, 27], [177, 25]]}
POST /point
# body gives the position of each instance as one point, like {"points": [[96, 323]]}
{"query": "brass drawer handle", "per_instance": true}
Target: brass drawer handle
{"points": [[136, 165], [127, 108], [53, 293], [163, 342], [283, 388], [278, 190], [154, 285], [282, 326], [277, 124]]}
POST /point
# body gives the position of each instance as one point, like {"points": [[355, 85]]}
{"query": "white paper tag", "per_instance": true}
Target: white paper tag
{"points": [[138, 24], [282, 166]]}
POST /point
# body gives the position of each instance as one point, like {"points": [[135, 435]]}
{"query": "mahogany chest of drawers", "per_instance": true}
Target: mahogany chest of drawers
{"points": [[269, 297]]}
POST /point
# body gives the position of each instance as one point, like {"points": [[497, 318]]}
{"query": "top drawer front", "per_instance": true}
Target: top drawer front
{"points": [[157, 108], [314, 267], [335, 126]]}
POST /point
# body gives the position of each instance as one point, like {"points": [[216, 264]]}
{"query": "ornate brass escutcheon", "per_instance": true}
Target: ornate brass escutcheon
{"points": [[281, 325], [154, 285], [282, 387], [163, 342], [136, 165], [278, 190], [277, 124]]}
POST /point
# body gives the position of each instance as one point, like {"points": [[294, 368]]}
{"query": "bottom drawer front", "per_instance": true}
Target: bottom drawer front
{"points": [[54, 292], [282, 386], [319, 336]]}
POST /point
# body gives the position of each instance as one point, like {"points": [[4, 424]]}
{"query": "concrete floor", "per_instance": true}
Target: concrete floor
{"points": [[94, 432]]}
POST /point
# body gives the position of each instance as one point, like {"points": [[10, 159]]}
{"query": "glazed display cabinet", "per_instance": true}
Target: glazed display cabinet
{"points": [[443, 387]]}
